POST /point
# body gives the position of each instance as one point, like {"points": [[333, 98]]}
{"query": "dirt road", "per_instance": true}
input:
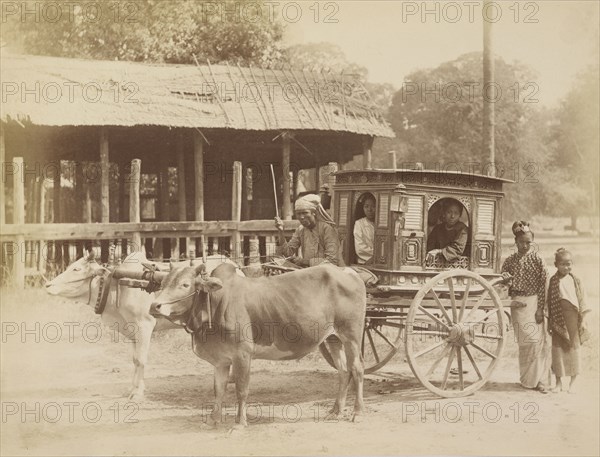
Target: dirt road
{"points": [[63, 396]]}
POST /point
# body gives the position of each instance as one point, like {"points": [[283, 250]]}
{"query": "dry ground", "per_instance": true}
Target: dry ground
{"points": [[63, 396]]}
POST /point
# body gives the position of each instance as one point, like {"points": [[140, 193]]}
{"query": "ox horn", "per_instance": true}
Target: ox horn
{"points": [[200, 269], [91, 255]]}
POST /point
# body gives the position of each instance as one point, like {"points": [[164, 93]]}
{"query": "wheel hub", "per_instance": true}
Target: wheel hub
{"points": [[461, 334]]}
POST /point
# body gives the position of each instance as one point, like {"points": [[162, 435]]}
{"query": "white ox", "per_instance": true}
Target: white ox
{"points": [[80, 283]]}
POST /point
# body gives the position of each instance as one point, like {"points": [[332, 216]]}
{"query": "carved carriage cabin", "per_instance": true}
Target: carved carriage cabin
{"points": [[409, 204]]}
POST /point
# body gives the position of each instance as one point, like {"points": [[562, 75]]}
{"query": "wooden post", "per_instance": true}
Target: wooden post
{"points": [[236, 210], [285, 165], [317, 178], [2, 184], [333, 167], [294, 184], [56, 215], [134, 202], [105, 175], [488, 96], [42, 220], [181, 200], [18, 218], [199, 181], [367, 145], [248, 193]]}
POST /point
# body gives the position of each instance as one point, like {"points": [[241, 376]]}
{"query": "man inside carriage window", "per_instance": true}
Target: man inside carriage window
{"points": [[364, 231], [317, 236], [448, 239]]}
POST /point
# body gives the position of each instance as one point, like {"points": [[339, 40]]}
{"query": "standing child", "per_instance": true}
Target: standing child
{"points": [[528, 290], [567, 318]]}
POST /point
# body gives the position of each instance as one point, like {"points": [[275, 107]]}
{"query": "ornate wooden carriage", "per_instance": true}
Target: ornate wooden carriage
{"points": [[449, 315]]}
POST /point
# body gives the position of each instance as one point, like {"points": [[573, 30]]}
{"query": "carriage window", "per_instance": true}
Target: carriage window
{"points": [[485, 216], [384, 209], [414, 213], [364, 228], [448, 234]]}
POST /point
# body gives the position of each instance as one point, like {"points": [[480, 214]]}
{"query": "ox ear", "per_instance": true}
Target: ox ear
{"points": [[209, 285], [91, 255]]}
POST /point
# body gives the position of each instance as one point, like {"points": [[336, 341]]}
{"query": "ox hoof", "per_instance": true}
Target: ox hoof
{"points": [[237, 428], [357, 418], [135, 396], [212, 423], [332, 416]]}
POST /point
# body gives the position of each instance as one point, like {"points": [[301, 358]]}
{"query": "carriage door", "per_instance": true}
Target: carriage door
{"points": [[381, 248], [484, 239], [412, 234]]}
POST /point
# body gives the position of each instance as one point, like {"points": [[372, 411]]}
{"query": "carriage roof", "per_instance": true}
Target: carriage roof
{"points": [[411, 177]]}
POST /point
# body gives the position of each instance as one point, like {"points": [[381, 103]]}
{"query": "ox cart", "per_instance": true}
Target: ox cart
{"points": [[448, 315]]}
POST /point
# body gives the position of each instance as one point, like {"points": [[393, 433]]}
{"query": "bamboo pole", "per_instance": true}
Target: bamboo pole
{"points": [[18, 218]]}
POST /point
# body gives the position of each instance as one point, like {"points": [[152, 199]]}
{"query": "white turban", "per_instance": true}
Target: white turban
{"points": [[313, 202]]}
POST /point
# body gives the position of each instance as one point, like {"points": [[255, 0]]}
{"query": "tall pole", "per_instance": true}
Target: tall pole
{"points": [[488, 88]]}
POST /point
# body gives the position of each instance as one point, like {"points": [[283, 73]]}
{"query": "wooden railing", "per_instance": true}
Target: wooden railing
{"points": [[33, 252]]}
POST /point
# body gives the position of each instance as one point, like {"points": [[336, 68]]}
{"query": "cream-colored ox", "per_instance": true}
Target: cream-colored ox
{"points": [[82, 283]]}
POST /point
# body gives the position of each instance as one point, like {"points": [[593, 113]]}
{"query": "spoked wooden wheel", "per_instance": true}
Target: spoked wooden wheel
{"points": [[454, 333], [382, 336]]}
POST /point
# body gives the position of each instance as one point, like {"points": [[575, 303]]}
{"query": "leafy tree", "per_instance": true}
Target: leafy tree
{"points": [[577, 145], [149, 30], [437, 116]]}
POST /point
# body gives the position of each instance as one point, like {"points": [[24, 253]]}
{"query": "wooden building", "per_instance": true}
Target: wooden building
{"points": [[79, 138]]}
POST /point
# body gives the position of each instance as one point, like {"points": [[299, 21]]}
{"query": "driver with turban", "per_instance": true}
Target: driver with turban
{"points": [[316, 236]]}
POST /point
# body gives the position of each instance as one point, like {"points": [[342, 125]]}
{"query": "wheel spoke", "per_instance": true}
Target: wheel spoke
{"points": [[385, 338], [430, 333], [439, 303], [429, 349], [438, 360], [448, 366], [485, 351], [452, 298], [373, 346], [488, 314], [476, 307], [473, 362], [464, 300], [434, 318], [393, 324], [460, 368], [492, 337]]}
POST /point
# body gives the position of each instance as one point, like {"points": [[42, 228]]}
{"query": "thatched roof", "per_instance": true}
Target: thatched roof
{"points": [[64, 92]]}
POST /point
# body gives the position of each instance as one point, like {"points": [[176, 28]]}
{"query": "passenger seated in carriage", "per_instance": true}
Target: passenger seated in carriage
{"points": [[364, 231], [448, 239], [317, 236]]}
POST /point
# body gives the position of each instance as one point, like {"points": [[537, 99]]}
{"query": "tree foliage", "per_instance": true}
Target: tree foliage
{"points": [[149, 30]]}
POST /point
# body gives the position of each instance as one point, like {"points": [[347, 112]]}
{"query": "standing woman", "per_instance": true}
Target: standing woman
{"points": [[528, 292]]}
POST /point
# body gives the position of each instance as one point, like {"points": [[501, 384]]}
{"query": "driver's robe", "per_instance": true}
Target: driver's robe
{"points": [[318, 245]]}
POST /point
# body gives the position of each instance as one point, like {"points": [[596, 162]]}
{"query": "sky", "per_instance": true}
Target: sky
{"points": [[557, 39]]}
